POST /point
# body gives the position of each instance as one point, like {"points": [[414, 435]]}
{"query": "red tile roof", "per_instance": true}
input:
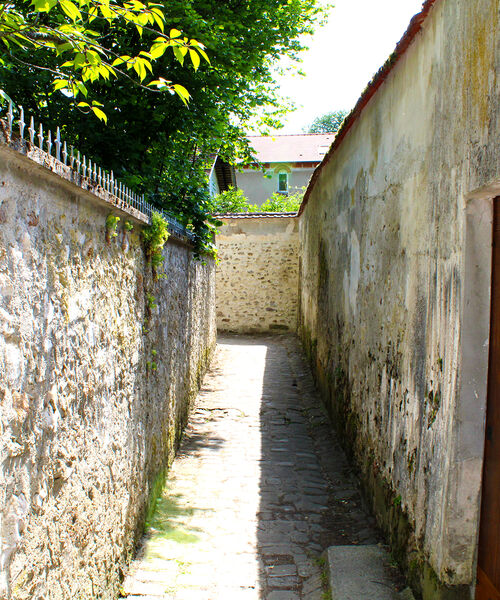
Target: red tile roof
{"points": [[303, 147], [255, 215], [404, 43]]}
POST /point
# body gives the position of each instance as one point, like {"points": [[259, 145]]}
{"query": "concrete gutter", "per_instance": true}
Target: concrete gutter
{"points": [[356, 572]]}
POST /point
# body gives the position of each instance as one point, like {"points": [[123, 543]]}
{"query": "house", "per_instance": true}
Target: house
{"points": [[283, 164]]}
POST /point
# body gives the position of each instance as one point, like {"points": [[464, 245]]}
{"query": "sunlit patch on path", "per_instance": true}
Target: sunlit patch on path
{"points": [[258, 490]]}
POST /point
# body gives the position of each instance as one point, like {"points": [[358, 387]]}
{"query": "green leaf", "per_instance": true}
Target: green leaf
{"points": [[160, 83], [175, 33], [157, 50], [140, 68], [204, 54], [81, 88], [60, 48], [182, 92], [178, 54], [60, 84], [79, 60], [99, 114], [121, 60], [44, 5], [195, 59], [70, 9], [159, 20]]}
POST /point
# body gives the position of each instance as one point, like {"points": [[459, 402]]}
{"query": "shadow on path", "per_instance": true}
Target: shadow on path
{"points": [[309, 497], [259, 489]]}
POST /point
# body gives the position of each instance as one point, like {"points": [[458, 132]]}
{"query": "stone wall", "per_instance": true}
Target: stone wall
{"points": [[257, 277], [395, 275], [98, 365]]}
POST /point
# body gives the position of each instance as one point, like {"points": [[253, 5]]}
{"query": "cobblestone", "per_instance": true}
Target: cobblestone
{"points": [[259, 489]]}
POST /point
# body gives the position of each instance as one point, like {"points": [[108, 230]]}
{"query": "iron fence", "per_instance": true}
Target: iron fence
{"points": [[70, 157]]}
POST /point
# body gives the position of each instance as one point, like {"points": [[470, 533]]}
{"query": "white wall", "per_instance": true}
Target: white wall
{"points": [[390, 310], [258, 188]]}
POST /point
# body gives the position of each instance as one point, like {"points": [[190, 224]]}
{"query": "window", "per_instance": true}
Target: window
{"points": [[283, 182]]}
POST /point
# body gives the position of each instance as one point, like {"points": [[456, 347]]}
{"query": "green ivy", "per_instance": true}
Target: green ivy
{"points": [[111, 225], [155, 237]]}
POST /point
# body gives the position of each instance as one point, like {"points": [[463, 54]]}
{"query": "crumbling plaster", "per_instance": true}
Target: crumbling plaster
{"points": [[393, 243]]}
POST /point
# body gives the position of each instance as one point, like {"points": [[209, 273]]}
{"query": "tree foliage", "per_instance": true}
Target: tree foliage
{"points": [[159, 147], [229, 201], [282, 203], [71, 44], [328, 123], [235, 201]]}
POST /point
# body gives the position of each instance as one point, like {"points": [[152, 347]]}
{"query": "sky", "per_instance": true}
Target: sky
{"points": [[343, 56]]}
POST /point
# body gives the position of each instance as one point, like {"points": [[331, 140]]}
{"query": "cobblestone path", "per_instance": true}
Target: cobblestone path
{"points": [[258, 490]]}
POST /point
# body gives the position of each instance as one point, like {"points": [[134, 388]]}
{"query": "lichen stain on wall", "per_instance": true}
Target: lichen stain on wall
{"points": [[257, 277], [93, 397], [382, 280]]}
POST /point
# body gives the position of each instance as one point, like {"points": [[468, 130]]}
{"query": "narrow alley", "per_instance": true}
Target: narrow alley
{"points": [[259, 489]]}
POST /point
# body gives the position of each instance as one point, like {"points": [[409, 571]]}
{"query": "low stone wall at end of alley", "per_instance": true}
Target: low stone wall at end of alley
{"points": [[98, 365], [396, 237], [257, 276]]}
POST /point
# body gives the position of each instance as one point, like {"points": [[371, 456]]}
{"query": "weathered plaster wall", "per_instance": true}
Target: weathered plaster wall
{"points": [[257, 276], [394, 325], [95, 382]]}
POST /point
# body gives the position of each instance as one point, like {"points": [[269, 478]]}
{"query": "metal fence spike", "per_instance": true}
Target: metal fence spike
{"points": [[58, 144], [40, 137], [22, 124], [84, 166], [10, 117], [31, 131]]}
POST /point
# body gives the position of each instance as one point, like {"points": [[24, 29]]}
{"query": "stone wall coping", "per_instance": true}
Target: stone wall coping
{"points": [[32, 156]]}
